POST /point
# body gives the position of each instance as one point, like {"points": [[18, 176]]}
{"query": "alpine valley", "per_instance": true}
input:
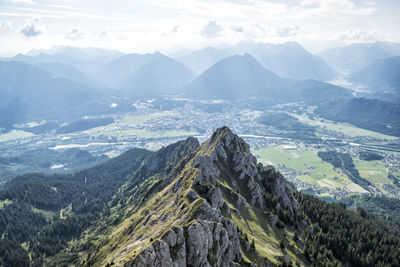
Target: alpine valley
{"points": [[114, 159]]}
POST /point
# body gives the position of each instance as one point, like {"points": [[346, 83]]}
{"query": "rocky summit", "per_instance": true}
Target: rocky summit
{"points": [[218, 207]]}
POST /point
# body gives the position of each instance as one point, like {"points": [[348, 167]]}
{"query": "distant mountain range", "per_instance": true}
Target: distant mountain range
{"points": [[243, 77], [161, 75], [380, 76], [357, 56], [146, 75], [29, 92], [50, 83], [288, 60]]}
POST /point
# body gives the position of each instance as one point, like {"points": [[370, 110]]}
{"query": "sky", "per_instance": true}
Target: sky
{"points": [[168, 26]]}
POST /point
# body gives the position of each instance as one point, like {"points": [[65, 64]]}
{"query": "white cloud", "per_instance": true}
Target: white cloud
{"points": [[331, 9], [75, 34], [212, 29], [5, 24], [22, 1], [288, 31], [101, 35], [239, 29], [33, 27], [360, 35], [175, 29]]}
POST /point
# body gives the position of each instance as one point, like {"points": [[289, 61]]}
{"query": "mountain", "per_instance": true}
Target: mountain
{"points": [[31, 93], [235, 77], [184, 205], [382, 76], [122, 67], [372, 114], [244, 77], [200, 60], [65, 71], [161, 75], [288, 60], [86, 60], [198, 213], [81, 53], [357, 56]]}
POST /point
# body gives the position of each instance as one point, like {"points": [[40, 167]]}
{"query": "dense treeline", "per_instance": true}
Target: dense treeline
{"points": [[372, 114], [387, 208], [368, 155], [84, 124], [74, 202], [356, 238], [288, 123], [39, 160]]}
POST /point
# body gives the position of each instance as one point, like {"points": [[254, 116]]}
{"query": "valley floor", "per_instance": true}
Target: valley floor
{"points": [[295, 154]]}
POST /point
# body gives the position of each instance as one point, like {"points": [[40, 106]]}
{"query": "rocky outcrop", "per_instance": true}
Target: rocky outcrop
{"points": [[230, 149], [224, 162], [203, 243]]}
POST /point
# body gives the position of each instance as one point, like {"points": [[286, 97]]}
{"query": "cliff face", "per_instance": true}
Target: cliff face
{"points": [[217, 197]]}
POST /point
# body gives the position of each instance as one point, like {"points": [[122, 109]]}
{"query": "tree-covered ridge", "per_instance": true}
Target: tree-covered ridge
{"points": [[42, 213], [387, 208], [288, 123], [346, 237]]}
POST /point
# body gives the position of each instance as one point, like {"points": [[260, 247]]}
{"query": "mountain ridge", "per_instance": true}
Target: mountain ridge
{"points": [[194, 212]]}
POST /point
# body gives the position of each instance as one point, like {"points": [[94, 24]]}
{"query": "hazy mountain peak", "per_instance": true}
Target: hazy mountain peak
{"points": [[202, 59], [357, 56]]}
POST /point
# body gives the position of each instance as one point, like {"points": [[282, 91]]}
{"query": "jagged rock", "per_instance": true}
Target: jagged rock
{"points": [[226, 209], [190, 145], [220, 151], [273, 218], [155, 255], [191, 195], [210, 238], [207, 171], [285, 194], [216, 197], [197, 245], [241, 202], [256, 197], [203, 243], [209, 213]]}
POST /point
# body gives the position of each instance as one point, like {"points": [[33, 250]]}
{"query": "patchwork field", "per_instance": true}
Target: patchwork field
{"points": [[306, 163], [309, 168], [373, 171]]}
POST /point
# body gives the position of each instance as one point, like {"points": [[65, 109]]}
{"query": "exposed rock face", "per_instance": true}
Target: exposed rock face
{"points": [[203, 243], [233, 149], [211, 239]]}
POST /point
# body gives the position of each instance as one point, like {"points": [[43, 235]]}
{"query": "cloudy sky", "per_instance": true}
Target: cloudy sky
{"points": [[164, 25]]}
